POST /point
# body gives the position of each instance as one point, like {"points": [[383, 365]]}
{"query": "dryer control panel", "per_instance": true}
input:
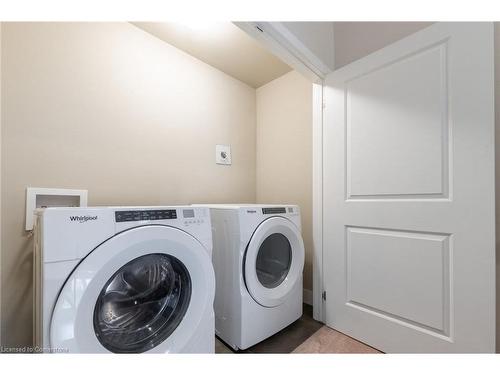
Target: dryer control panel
{"points": [[273, 210]]}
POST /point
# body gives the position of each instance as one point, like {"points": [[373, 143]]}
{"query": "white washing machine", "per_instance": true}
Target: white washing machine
{"points": [[124, 280], [258, 258]]}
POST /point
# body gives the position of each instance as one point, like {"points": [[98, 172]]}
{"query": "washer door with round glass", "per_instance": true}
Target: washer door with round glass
{"points": [[143, 290], [274, 261]]}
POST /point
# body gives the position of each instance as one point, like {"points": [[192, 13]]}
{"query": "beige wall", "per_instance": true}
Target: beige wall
{"points": [[284, 150], [110, 108]]}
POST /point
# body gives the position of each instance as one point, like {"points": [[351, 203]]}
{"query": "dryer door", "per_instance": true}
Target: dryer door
{"points": [[274, 261], [143, 290]]}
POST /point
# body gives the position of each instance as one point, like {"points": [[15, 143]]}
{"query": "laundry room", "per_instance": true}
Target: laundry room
{"points": [[261, 187]]}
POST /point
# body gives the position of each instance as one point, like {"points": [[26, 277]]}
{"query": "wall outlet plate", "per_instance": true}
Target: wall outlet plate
{"points": [[223, 154]]}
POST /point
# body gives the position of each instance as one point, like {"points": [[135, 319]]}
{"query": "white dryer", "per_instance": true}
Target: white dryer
{"points": [[258, 258], [124, 280]]}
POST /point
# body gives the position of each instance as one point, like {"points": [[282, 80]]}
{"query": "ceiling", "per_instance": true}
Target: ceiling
{"points": [[223, 46]]}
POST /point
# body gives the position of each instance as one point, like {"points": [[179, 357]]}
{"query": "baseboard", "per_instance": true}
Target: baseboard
{"points": [[307, 297]]}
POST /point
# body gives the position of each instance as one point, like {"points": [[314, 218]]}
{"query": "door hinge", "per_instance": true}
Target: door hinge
{"points": [[323, 295]]}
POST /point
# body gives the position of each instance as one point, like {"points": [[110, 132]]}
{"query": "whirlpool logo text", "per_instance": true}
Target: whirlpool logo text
{"points": [[82, 219]]}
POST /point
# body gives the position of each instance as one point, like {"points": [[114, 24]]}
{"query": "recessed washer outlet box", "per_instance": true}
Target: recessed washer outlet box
{"points": [[48, 197]]}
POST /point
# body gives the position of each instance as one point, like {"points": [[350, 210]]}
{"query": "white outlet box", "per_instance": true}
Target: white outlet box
{"points": [[48, 197], [223, 154]]}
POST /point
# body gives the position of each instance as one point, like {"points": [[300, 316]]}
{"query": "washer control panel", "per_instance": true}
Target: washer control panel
{"points": [[143, 215]]}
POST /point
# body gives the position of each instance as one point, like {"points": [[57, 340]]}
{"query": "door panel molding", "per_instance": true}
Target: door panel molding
{"points": [[435, 185], [435, 249]]}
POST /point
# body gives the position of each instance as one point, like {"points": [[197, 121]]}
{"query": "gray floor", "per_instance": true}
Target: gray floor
{"points": [[285, 341]]}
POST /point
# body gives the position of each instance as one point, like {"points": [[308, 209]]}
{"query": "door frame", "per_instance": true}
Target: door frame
{"points": [[0, 183], [317, 204], [274, 37]]}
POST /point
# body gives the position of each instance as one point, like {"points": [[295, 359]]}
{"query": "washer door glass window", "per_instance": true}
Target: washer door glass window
{"points": [[273, 260], [142, 303]]}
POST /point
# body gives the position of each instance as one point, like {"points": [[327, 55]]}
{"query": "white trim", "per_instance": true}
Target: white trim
{"points": [[0, 182], [317, 173], [287, 39], [273, 37], [307, 297]]}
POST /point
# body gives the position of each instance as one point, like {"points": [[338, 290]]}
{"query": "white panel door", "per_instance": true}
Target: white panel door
{"points": [[409, 241]]}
